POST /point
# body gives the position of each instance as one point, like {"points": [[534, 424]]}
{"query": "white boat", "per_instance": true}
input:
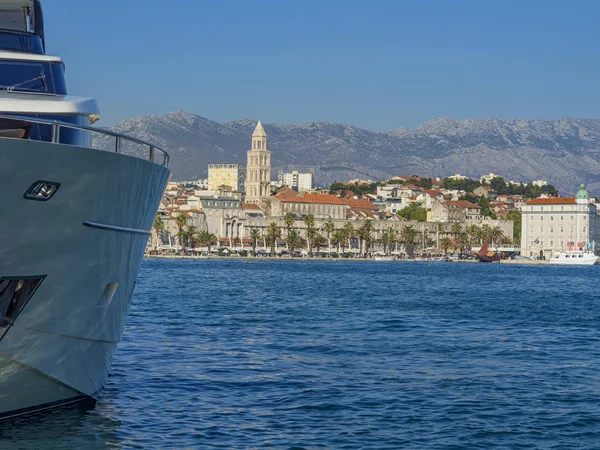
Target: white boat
{"points": [[576, 258], [74, 226], [384, 258]]}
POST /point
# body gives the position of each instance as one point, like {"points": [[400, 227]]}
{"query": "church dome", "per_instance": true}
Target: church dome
{"points": [[582, 194]]}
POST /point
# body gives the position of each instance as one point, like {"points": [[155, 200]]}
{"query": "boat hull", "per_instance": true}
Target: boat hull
{"points": [[85, 245]]}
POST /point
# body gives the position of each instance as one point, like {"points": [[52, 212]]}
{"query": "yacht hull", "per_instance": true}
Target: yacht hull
{"points": [[85, 246]]}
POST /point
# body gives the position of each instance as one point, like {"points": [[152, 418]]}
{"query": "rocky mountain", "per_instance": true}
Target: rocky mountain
{"points": [[565, 152]]}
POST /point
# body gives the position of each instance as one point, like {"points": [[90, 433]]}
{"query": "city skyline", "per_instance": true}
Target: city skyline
{"points": [[395, 65]]}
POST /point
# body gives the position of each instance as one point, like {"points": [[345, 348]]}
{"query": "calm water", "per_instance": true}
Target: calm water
{"points": [[298, 354]]}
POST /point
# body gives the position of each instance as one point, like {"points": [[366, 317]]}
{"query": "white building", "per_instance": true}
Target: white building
{"points": [[458, 176], [300, 182], [539, 183], [550, 225], [488, 178]]}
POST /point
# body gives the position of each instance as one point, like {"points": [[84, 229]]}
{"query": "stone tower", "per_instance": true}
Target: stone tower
{"points": [[258, 168]]}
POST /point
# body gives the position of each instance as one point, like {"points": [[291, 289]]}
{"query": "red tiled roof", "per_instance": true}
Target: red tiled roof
{"points": [[287, 195], [250, 206], [552, 201], [361, 204], [433, 192]]}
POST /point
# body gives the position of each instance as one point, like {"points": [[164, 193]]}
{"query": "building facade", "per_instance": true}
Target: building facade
{"points": [[550, 225], [297, 181], [231, 175], [258, 175]]}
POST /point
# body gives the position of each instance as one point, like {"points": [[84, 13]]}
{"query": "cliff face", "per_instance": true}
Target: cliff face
{"points": [[565, 152]]}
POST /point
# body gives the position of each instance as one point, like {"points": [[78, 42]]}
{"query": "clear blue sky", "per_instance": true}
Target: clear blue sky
{"points": [[378, 64]]}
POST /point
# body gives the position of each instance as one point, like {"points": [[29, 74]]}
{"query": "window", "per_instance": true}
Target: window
{"points": [[551, 217], [531, 217], [551, 229], [562, 229], [541, 208], [541, 218], [531, 230], [585, 229], [571, 217], [561, 217], [541, 229], [14, 295], [551, 243]]}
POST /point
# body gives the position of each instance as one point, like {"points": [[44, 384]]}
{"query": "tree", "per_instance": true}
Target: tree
{"points": [[318, 242], [181, 221], [255, 236], [191, 235], [311, 236], [456, 229], [365, 235], [486, 210], [466, 185], [348, 231], [516, 216], [414, 213], [385, 239], [329, 227], [273, 233], [445, 243], [289, 220], [159, 228], [207, 239], [496, 234], [293, 240], [309, 221], [409, 237], [339, 238]]}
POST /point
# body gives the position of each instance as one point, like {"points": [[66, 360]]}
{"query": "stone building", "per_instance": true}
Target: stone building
{"points": [[321, 206], [550, 225], [258, 168]]}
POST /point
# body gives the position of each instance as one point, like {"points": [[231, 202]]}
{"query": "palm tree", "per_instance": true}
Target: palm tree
{"points": [[254, 235], [273, 233], [294, 240], [159, 228], [409, 237], [181, 221], [456, 229], [496, 234], [207, 239], [191, 235], [385, 240], [445, 243], [348, 231], [289, 221], [339, 238], [311, 235], [329, 227], [365, 235], [309, 221], [319, 241]]}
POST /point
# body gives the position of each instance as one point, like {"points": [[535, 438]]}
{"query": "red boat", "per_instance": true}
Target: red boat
{"points": [[486, 256]]}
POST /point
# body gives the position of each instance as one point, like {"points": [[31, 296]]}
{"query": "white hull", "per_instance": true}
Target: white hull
{"points": [[92, 233], [575, 259]]}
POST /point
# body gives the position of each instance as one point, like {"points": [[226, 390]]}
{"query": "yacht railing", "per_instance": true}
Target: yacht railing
{"points": [[119, 138]]}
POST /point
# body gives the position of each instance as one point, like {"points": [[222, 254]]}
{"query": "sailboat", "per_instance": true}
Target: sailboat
{"points": [[487, 256]]}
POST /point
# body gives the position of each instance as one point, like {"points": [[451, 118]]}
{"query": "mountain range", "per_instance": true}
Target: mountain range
{"points": [[566, 152]]}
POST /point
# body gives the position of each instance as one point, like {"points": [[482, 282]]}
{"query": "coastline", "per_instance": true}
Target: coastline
{"points": [[526, 262]]}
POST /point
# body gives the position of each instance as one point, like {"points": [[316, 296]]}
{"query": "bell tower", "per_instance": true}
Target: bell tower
{"points": [[258, 167]]}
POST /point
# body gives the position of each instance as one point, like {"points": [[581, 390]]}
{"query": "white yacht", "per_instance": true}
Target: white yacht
{"points": [[74, 223], [575, 258]]}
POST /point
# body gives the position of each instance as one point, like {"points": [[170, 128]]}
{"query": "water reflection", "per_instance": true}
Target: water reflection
{"points": [[66, 428]]}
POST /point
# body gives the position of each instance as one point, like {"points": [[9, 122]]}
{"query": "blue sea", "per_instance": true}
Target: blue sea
{"points": [[346, 355]]}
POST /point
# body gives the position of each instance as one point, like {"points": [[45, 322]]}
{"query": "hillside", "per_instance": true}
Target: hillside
{"points": [[565, 152]]}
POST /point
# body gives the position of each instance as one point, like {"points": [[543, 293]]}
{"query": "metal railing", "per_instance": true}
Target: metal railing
{"points": [[119, 138]]}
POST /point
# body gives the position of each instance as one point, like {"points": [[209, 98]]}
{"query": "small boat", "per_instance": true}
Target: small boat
{"points": [[575, 258], [487, 256], [385, 258]]}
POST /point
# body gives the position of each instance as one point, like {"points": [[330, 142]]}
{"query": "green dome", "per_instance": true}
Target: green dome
{"points": [[582, 193]]}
